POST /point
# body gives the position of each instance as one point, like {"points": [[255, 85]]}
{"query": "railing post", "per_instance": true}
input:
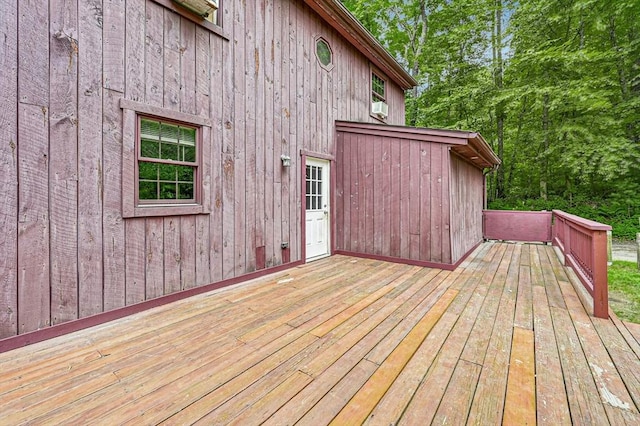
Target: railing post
{"points": [[600, 283], [609, 248], [567, 240], [638, 248]]}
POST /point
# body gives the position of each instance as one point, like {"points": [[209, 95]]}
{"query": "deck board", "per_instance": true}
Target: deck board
{"points": [[503, 338]]}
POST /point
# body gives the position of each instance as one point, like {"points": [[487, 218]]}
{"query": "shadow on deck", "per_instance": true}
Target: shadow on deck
{"points": [[503, 338]]}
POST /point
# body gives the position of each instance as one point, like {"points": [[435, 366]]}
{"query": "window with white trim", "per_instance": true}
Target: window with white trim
{"points": [[378, 86], [168, 163], [379, 107], [324, 54]]}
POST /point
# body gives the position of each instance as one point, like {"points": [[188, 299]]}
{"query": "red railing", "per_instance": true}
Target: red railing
{"points": [[584, 245], [511, 225]]}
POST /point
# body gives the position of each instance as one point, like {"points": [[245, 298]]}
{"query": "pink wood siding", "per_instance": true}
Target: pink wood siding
{"points": [[392, 198], [517, 225], [467, 199], [65, 250]]}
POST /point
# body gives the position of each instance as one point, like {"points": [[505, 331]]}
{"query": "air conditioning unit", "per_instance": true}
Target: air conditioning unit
{"points": [[380, 108], [203, 8]]}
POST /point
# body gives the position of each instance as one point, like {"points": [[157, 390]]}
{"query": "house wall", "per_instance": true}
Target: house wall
{"points": [[392, 198], [467, 196], [65, 250]]}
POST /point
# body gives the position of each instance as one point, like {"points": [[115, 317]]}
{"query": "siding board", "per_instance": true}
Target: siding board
{"points": [[187, 65], [171, 53], [252, 98], [113, 45], [286, 120], [9, 165], [134, 47], [172, 262], [63, 163], [218, 105], [114, 85], [135, 267], [154, 257], [90, 163], [269, 130], [436, 204], [33, 219], [187, 253], [33, 51], [425, 211], [240, 175], [260, 64], [154, 53]]}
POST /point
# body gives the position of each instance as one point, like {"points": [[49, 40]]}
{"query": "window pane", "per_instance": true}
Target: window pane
{"points": [[149, 129], [308, 202], [169, 151], [377, 88], [148, 190], [185, 173], [167, 172], [170, 132], [323, 52], [188, 136], [147, 171], [185, 191], [167, 191], [189, 153], [149, 149]]}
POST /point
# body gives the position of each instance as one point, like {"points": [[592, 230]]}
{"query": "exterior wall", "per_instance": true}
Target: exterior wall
{"points": [[66, 251], [467, 199], [392, 198]]}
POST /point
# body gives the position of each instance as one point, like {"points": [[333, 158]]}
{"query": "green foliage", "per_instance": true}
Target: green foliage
{"points": [[554, 89], [624, 290]]}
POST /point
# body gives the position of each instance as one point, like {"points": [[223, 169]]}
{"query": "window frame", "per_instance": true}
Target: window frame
{"points": [[216, 28], [331, 64], [196, 164], [132, 206], [374, 96]]}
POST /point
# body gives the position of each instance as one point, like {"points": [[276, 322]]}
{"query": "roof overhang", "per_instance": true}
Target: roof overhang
{"points": [[469, 145], [336, 15]]}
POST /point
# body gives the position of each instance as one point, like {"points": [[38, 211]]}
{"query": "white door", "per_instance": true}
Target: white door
{"points": [[317, 208]]}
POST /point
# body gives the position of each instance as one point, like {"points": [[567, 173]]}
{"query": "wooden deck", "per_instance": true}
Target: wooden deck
{"points": [[503, 338]]}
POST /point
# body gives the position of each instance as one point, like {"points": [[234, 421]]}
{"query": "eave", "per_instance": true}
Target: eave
{"points": [[336, 15], [471, 146]]}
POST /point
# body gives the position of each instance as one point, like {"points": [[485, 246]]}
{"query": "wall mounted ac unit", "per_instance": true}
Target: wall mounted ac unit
{"points": [[203, 8], [380, 108]]}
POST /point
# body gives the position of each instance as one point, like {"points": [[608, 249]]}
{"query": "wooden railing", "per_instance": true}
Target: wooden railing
{"points": [[584, 245], [512, 225]]}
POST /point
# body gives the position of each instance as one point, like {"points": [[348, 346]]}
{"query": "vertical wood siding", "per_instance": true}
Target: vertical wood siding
{"points": [[392, 198], [65, 250], [467, 196], [9, 169]]}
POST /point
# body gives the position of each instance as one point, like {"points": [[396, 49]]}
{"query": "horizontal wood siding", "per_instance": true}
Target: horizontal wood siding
{"points": [[467, 195], [392, 198], [66, 250]]}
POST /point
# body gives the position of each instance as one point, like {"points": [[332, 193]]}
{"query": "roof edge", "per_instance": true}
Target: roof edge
{"points": [[469, 145], [336, 15]]}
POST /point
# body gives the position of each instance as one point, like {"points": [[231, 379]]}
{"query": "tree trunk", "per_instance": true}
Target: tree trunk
{"points": [[500, 108], [545, 162]]}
